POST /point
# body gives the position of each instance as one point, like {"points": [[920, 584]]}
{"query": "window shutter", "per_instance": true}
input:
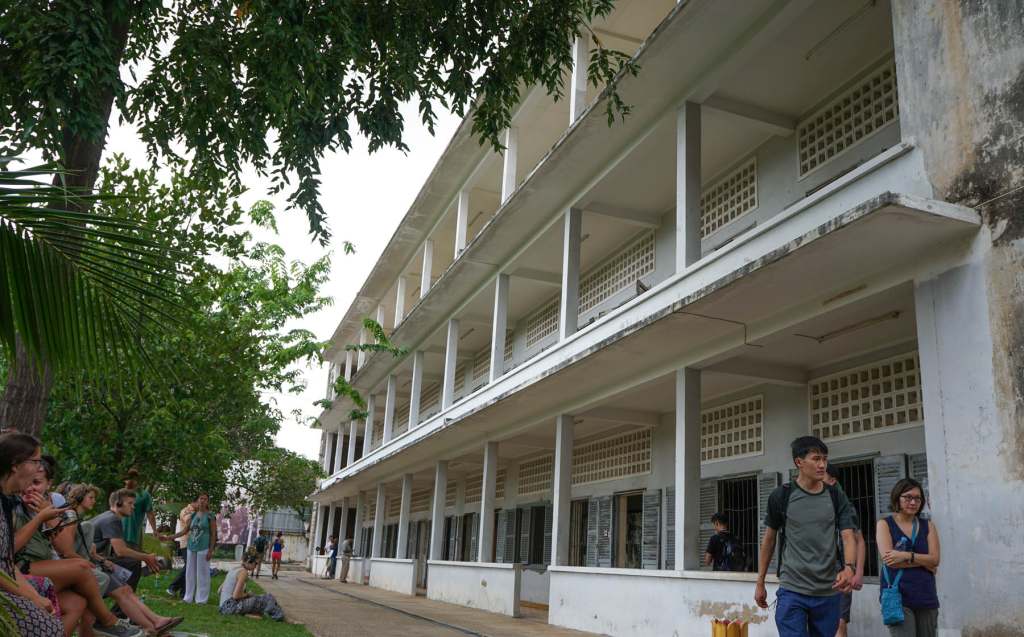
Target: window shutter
{"points": [[604, 532], [651, 553], [767, 481], [474, 548], [426, 538], [453, 532], [524, 536], [499, 540], [919, 472], [708, 507], [510, 536], [670, 528], [593, 507], [410, 543], [548, 515], [888, 471]]}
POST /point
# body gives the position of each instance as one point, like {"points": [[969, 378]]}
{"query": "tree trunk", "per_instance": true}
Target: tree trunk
{"points": [[26, 396]]}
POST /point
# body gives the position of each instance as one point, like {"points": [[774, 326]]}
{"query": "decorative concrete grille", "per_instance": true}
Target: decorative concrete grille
{"points": [[499, 484], [460, 377], [401, 423], [881, 396], [535, 475], [729, 198], [450, 491], [620, 456], [850, 118], [508, 346], [735, 430], [394, 505], [420, 501], [474, 487], [371, 507], [618, 273], [482, 366], [377, 438], [542, 324], [431, 400]]}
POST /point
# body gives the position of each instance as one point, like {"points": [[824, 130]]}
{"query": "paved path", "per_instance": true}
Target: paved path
{"points": [[333, 609]]}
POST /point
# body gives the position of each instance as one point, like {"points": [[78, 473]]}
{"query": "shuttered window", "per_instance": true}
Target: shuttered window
{"points": [[546, 552], [767, 481], [651, 554], [919, 471], [500, 522], [578, 533], [670, 529], [708, 507], [599, 532]]}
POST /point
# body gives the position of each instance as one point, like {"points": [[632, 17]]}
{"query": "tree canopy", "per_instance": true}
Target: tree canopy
{"points": [[188, 425]]}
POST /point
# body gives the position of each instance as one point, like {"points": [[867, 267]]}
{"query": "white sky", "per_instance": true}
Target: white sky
{"points": [[365, 196]]}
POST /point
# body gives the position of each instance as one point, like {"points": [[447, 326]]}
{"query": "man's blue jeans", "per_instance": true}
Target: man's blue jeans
{"points": [[798, 615]]}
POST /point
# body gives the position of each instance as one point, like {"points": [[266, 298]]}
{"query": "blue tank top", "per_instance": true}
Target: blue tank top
{"points": [[917, 585], [277, 547]]}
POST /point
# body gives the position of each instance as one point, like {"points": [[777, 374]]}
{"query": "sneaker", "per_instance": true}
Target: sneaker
{"points": [[123, 628]]}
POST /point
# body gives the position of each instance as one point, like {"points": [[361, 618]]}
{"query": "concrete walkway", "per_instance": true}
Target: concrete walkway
{"points": [[333, 609]]}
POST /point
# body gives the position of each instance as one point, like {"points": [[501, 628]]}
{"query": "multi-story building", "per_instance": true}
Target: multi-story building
{"points": [[810, 223]]}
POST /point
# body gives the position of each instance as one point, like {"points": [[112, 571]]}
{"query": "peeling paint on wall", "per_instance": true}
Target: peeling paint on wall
{"points": [[725, 610]]}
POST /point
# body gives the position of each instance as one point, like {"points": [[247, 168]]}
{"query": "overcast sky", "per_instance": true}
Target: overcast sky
{"points": [[365, 196]]}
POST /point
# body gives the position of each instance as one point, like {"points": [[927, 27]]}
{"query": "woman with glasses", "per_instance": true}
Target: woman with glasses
{"points": [[909, 546]]}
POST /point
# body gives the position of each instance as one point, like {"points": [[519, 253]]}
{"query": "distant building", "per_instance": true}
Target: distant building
{"points": [[810, 223], [293, 526]]}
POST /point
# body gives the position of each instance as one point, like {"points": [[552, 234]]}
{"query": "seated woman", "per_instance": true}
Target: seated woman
{"points": [[113, 578], [34, 555], [235, 601], [32, 614]]}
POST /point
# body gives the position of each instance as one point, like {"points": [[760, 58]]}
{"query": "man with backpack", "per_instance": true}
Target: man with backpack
{"points": [[725, 551], [806, 515]]}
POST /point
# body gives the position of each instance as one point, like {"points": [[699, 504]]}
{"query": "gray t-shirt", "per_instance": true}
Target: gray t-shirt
{"points": [[106, 526], [809, 556], [227, 589]]}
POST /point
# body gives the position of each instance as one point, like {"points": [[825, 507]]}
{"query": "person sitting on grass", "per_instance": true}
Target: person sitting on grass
{"points": [[83, 498], [72, 578], [108, 535], [235, 601]]}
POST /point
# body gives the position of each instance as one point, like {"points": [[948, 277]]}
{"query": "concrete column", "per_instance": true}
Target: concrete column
{"points": [[437, 510], [353, 431], [343, 528], [687, 185], [389, 408], [348, 365], [357, 540], [578, 87], [400, 300], [562, 490], [569, 308], [687, 468], [461, 222], [508, 168], [402, 548], [416, 388], [428, 264], [371, 407], [499, 326], [339, 452], [378, 521], [485, 544], [361, 356], [451, 359], [332, 515]]}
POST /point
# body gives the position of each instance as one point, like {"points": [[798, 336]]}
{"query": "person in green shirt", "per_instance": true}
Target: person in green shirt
{"points": [[135, 524]]}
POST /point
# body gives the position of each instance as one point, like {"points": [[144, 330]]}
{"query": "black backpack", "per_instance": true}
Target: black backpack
{"points": [[734, 556], [787, 490]]}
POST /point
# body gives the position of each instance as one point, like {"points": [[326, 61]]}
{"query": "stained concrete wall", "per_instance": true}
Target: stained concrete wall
{"points": [[961, 71], [393, 575], [490, 587], [358, 570], [657, 603]]}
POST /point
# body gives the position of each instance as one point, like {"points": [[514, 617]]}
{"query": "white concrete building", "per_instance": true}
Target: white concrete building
{"points": [[614, 332]]}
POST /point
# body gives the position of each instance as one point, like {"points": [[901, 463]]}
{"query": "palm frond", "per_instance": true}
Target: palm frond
{"points": [[79, 289]]}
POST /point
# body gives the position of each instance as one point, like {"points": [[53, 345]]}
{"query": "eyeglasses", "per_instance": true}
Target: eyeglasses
{"points": [[911, 498]]}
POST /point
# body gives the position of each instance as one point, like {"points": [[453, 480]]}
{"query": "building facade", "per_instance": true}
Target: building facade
{"points": [[810, 223]]}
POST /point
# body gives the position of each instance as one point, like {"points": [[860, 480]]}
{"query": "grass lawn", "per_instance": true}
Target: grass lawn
{"points": [[206, 619]]}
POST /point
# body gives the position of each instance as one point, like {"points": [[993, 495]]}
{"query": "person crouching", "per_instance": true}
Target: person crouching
{"points": [[235, 601]]}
